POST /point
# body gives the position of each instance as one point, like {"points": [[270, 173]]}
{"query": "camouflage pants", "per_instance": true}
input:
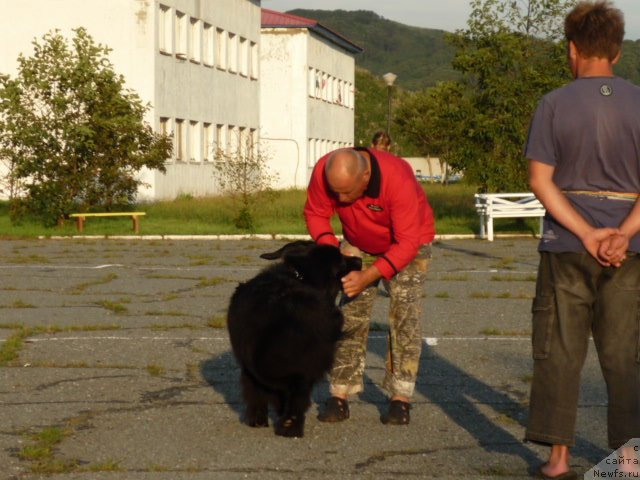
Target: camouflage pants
{"points": [[405, 336]]}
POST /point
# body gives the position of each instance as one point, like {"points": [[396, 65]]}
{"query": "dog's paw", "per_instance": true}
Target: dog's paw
{"points": [[258, 424], [292, 427], [257, 420]]}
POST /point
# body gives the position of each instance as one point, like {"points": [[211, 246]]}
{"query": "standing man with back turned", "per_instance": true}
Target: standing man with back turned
{"points": [[584, 152], [385, 215]]}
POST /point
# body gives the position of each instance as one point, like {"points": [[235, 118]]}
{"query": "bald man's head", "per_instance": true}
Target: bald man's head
{"points": [[348, 173]]}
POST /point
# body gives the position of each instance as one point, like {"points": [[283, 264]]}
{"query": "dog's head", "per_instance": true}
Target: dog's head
{"points": [[321, 266]]}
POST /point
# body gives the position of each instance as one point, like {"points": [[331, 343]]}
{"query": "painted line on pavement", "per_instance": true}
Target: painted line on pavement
{"points": [[431, 341]]}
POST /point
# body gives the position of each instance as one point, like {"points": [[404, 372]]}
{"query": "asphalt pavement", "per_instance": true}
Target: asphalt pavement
{"points": [[123, 370]]}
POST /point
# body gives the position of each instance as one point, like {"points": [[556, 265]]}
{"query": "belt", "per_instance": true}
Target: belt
{"points": [[625, 196]]}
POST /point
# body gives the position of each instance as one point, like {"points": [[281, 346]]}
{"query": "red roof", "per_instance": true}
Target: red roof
{"points": [[273, 19]]}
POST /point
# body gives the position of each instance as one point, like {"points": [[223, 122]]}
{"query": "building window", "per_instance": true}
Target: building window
{"points": [[181, 140], [221, 49], [244, 57], [253, 135], [207, 142], [233, 52], [165, 30], [194, 142], [181, 35], [325, 86], [311, 153], [311, 82], [255, 60], [207, 45], [194, 40], [165, 127], [221, 139], [232, 140], [243, 141], [351, 93]]}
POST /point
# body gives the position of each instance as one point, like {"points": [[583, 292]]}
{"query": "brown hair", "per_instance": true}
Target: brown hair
{"points": [[596, 29], [381, 140]]}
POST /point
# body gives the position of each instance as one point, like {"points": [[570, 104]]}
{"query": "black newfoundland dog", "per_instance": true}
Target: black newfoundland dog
{"points": [[284, 325]]}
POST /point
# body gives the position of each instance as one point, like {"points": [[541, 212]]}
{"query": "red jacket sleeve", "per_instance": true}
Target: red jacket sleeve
{"points": [[319, 208]]}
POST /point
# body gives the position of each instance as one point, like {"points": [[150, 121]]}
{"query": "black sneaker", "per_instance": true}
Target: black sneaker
{"points": [[335, 410], [398, 413]]}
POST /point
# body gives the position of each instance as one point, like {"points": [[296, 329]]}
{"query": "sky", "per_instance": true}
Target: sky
{"points": [[448, 15]]}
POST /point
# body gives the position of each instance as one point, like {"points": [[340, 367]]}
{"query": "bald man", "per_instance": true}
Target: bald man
{"points": [[387, 220]]}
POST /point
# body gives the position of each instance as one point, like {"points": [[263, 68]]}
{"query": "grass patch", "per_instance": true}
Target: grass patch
{"points": [[155, 370], [217, 321], [496, 332], [10, 348], [115, 307], [528, 378], [108, 466], [81, 287], [21, 304], [505, 263], [40, 452], [480, 294], [167, 277], [165, 326], [442, 295], [455, 278], [28, 259], [166, 313], [210, 282], [514, 278], [453, 206]]}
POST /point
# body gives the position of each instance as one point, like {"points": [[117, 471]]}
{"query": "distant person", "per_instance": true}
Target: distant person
{"points": [[381, 141], [387, 219], [584, 152]]}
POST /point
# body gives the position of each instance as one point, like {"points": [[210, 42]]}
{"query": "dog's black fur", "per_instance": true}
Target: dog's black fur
{"points": [[284, 325]]}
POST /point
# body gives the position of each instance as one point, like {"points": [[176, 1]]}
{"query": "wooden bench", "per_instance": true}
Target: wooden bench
{"points": [[81, 217], [506, 205]]}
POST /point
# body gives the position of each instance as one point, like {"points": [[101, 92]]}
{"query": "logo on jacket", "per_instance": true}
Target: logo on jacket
{"points": [[374, 207], [606, 90]]}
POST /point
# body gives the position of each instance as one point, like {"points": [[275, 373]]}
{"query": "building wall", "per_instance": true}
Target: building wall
{"points": [[283, 98], [306, 101], [178, 87], [209, 91]]}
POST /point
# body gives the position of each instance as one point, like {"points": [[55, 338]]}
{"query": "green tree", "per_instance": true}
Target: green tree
{"points": [[74, 135], [243, 174], [509, 56], [371, 108], [432, 120]]}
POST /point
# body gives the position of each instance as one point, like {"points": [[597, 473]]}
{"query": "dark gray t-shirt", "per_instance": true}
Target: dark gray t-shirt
{"points": [[589, 131]]}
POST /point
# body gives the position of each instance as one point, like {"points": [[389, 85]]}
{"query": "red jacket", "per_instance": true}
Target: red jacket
{"points": [[391, 220]]}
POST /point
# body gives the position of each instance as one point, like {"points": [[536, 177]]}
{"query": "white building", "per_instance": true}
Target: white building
{"points": [[195, 61], [306, 94]]}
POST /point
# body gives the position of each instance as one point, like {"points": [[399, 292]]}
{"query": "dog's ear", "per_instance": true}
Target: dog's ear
{"points": [[299, 246]]}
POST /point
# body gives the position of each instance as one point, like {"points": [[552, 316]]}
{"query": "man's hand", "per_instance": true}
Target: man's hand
{"points": [[594, 238], [355, 282], [613, 249]]}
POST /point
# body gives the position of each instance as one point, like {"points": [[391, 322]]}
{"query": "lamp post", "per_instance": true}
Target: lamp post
{"points": [[389, 78]]}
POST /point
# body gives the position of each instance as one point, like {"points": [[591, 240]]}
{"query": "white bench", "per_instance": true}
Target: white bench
{"points": [[505, 205]]}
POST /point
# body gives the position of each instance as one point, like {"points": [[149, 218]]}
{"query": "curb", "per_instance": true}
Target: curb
{"points": [[469, 236]]}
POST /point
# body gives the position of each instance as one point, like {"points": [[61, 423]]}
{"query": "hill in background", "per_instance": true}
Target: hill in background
{"points": [[419, 56]]}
